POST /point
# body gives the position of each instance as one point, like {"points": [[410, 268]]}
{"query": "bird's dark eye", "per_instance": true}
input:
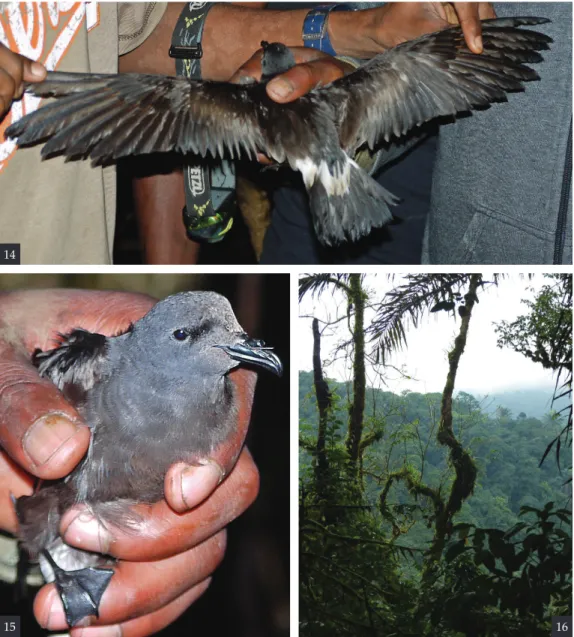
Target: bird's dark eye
{"points": [[180, 335]]}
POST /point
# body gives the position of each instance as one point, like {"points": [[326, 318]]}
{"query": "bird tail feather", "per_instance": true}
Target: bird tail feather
{"points": [[347, 204], [39, 516]]}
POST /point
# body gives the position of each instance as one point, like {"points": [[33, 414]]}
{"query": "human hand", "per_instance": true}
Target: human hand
{"points": [[15, 69], [39, 429], [42, 435], [166, 561], [396, 22], [314, 68]]}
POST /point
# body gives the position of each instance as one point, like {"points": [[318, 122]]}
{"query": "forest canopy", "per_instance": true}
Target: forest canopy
{"points": [[429, 514]]}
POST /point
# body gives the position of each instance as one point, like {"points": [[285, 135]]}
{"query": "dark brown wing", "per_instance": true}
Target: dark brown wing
{"points": [[76, 365], [433, 76], [110, 116]]}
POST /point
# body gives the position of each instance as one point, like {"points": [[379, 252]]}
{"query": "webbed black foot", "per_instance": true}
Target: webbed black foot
{"points": [[80, 591]]}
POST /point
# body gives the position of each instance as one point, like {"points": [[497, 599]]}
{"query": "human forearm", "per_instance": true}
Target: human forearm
{"points": [[159, 200], [224, 51], [233, 33]]}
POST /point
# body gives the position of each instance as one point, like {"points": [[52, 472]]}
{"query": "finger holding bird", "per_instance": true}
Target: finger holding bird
{"points": [[179, 531], [138, 588], [39, 429]]}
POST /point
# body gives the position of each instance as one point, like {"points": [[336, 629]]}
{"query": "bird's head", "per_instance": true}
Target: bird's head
{"points": [[277, 58], [198, 331]]}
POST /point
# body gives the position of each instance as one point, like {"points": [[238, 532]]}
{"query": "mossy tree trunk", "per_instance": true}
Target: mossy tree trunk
{"points": [[324, 405], [462, 463], [357, 298]]}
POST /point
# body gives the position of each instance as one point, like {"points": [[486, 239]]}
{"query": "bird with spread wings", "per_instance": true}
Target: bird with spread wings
{"points": [[106, 117]]}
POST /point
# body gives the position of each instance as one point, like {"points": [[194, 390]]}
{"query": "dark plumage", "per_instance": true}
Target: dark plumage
{"points": [[157, 394], [110, 116]]}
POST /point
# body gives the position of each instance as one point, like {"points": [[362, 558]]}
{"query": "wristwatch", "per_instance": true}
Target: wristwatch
{"points": [[315, 32]]}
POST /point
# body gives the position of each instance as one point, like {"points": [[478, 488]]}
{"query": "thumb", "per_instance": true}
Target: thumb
{"points": [[39, 429], [303, 78], [186, 486], [33, 71], [469, 20]]}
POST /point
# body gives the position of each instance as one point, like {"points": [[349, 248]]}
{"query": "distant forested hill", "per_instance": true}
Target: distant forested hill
{"points": [[536, 403], [507, 448]]}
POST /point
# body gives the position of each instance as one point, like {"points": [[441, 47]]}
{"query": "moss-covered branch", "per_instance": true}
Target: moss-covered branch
{"points": [[415, 488], [462, 463]]}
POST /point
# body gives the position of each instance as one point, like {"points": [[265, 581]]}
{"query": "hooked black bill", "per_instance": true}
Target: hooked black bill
{"points": [[253, 352]]}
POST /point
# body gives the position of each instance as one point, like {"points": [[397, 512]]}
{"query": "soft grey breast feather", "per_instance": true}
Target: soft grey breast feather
{"points": [[435, 76], [111, 116]]}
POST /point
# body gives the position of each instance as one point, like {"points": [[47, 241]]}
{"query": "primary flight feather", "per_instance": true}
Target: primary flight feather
{"points": [[106, 117]]}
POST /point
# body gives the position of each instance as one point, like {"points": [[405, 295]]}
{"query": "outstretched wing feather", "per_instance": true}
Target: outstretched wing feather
{"points": [[433, 76], [111, 116]]}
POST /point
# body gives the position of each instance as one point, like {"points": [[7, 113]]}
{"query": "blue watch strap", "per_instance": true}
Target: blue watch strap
{"points": [[315, 33]]}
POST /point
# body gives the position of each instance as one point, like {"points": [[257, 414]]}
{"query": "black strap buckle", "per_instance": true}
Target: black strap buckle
{"points": [[193, 52]]}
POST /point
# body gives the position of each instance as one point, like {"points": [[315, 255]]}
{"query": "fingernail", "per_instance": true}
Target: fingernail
{"points": [[246, 79], [281, 88], [85, 622], [46, 436], [37, 69], [478, 43], [56, 619], [101, 631], [85, 532], [198, 482]]}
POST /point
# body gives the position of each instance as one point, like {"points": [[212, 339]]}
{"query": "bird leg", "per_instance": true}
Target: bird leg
{"points": [[21, 586], [80, 591]]}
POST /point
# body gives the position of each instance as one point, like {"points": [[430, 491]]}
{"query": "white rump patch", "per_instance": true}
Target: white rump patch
{"points": [[336, 185]]}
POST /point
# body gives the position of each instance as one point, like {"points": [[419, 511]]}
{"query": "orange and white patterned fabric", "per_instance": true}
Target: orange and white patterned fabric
{"points": [[64, 213]]}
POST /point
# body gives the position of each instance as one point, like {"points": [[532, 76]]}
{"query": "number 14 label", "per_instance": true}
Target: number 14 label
{"points": [[9, 255]]}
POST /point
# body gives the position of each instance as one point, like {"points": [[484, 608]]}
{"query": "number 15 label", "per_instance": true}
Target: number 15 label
{"points": [[9, 626]]}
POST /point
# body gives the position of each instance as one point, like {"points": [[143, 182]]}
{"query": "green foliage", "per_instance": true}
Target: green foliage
{"points": [[361, 565], [516, 576], [507, 456], [545, 336], [343, 553], [402, 536]]}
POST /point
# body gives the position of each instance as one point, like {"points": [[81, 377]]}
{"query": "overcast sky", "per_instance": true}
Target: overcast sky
{"points": [[484, 368]]}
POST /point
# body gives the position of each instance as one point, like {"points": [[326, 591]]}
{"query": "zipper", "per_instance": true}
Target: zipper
{"points": [[563, 207]]}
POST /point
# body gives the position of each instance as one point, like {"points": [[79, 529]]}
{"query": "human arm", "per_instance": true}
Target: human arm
{"points": [[381, 28], [355, 33], [358, 33]]}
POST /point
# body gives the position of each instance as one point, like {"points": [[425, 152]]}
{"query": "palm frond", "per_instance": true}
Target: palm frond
{"points": [[410, 301], [316, 284]]}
